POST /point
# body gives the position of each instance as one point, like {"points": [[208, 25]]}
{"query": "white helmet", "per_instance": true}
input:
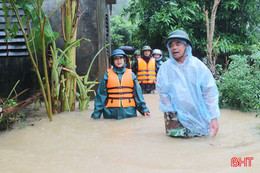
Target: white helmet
{"points": [[157, 51]]}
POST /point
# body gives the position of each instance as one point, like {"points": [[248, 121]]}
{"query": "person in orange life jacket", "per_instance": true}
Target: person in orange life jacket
{"points": [[146, 70], [137, 54], [119, 94]]}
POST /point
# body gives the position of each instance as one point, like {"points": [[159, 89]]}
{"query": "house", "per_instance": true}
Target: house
{"points": [[94, 25]]}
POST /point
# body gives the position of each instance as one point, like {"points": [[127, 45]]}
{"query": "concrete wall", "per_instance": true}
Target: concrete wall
{"points": [[15, 65], [16, 69], [92, 26]]}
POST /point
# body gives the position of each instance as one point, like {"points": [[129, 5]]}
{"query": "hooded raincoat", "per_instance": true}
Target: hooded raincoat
{"points": [[190, 90], [118, 112], [159, 62]]}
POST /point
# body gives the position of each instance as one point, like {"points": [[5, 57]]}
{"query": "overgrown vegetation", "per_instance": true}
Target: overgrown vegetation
{"points": [[159, 18], [7, 121], [60, 91], [239, 85], [121, 32]]}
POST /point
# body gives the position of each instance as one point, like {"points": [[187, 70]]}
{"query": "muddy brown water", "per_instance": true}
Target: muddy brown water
{"points": [[73, 143]]}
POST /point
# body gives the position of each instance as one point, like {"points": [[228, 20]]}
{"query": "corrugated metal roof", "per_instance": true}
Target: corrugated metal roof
{"points": [[15, 47]]}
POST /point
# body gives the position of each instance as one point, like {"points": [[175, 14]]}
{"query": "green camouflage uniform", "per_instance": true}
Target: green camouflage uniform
{"points": [[174, 128]]}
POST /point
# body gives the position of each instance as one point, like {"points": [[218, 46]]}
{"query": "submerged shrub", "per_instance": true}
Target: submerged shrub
{"points": [[7, 121], [239, 85]]}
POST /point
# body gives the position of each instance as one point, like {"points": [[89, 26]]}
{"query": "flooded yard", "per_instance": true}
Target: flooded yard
{"points": [[73, 143]]}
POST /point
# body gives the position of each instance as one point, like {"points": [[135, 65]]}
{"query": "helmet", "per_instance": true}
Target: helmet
{"points": [[137, 52], [118, 52], [179, 34], [157, 51], [147, 48]]}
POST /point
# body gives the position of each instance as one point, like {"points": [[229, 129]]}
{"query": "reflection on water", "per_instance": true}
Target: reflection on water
{"points": [[73, 143]]}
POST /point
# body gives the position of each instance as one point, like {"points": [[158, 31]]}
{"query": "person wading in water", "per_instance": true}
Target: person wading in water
{"points": [[119, 94], [188, 92]]}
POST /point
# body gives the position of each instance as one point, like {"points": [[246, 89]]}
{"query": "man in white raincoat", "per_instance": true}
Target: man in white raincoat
{"points": [[188, 92]]}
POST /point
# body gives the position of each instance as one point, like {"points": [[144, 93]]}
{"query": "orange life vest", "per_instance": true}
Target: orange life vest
{"points": [[146, 72], [130, 63], [120, 94]]}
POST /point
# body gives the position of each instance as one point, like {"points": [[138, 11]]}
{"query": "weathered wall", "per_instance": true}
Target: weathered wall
{"points": [[17, 66], [14, 69], [92, 26]]}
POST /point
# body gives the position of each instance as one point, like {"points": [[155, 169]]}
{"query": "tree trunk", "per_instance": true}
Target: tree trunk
{"points": [[210, 25], [71, 23]]}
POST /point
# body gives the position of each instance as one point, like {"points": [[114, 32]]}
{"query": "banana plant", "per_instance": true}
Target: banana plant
{"points": [[85, 86], [60, 92], [70, 11], [42, 19], [58, 83]]}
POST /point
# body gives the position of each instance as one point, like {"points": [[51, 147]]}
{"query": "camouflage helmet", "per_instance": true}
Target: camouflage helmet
{"points": [[118, 52], [147, 48], [137, 52], [179, 34]]}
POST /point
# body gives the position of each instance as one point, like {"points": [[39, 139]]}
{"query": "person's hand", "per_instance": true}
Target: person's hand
{"points": [[93, 118], [147, 114], [214, 127]]}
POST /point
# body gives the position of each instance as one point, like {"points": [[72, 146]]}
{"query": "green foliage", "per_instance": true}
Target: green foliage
{"points": [[48, 32], [7, 121], [49, 35], [121, 32], [237, 23], [85, 86], [161, 17], [11, 29], [239, 86], [30, 9]]}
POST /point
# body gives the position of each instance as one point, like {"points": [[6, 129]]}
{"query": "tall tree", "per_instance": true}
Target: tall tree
{"points": [[235, 22], [210, 24], [121, 32]]}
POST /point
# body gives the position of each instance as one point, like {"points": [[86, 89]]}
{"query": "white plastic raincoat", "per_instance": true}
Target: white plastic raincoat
{"points": [[190, 90]]}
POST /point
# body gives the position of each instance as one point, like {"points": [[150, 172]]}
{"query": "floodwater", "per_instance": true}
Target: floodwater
{"points": [[73, 143]]}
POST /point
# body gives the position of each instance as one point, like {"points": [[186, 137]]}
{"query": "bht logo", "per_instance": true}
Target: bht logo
{"points": [[238, 162]]}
